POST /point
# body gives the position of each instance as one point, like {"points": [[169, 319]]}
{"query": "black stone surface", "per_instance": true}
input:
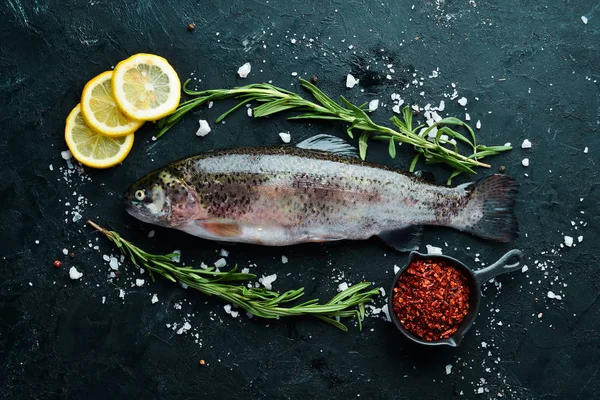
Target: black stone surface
{"points": [[532, 65]]}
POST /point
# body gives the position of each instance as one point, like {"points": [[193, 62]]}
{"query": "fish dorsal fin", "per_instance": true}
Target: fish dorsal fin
{"points": [[405, 239], [329, 144]]}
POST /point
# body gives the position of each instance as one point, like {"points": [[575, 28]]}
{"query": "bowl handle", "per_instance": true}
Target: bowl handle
{"points": [[501, 266]]}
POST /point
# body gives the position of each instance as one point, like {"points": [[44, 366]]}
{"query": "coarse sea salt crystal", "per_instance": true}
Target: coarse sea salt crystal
{"points": [[433, 250], [293, 41], [386, 311], [580, 239], [154, 299], [584, 19], [285, 137], [121, 293], [103, 299], [139, 282], [268, 280], [448, 369], [525, 162], [462, 101], [74, 274], [342, 286], [249, 112], [373, 104], [396, 269], [467, 117], [294, 73], [284, 259], [478, 124], [177, 256], [568, 241], [186, 327], [442, 105], [223, 253], [66, 155], [114, 263], [525, 268], [65, 251], [244, 70], [204, 128], [151, 234], [220, 263], [51, 167], [526, 144], [585, 150], [351, 81], [396, 108], [552, 295]]}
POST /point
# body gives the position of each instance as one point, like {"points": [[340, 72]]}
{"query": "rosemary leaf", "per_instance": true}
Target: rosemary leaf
{"points": [[392, 148], [260, 302], [274, 100]]}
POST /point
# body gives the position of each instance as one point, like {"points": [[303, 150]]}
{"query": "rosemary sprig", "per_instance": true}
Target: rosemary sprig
{"points": [[260, 302], [442, 148]]}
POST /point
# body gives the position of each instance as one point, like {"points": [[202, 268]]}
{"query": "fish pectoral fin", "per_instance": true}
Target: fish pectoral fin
{"points": [[221, 229], [405, 239]]}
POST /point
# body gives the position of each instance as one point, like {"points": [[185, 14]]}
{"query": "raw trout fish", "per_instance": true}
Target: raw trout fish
{"points": [[318, 191]]}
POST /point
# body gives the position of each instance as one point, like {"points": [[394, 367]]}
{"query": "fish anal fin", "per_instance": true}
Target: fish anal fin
{"points": [[321, 239], [405, 239], [221, 229]]}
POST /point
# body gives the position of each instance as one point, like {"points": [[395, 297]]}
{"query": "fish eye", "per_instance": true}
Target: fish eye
{"points": [[140, 194]]}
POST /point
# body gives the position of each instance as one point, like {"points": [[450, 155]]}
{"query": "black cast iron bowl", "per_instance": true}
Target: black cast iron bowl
{"points": [[509, 262]]}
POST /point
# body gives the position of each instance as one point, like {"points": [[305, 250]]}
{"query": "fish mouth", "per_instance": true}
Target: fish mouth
{"points": [[140, 210]]}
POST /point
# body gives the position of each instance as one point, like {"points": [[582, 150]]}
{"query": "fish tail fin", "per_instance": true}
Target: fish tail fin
{"points": [[489, 212]]}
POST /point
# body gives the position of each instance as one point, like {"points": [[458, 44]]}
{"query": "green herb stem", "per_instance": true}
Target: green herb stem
{"points": [[260, 302], [272, 99]]}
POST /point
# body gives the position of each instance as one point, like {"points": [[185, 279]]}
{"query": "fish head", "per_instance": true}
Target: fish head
{"points": [[162, 198]]}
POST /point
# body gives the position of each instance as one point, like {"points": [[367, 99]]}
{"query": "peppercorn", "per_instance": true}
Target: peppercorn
{"points": [[502, 169], [314, 79], [191, 27], [57, 263]]}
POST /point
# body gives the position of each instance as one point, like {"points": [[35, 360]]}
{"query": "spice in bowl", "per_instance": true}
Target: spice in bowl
{"points": [[431, 299]]}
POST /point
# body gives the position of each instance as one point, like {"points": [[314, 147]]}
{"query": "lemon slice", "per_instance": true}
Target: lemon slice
{"points": [[146, 87], [100, 111], [91, 148]]}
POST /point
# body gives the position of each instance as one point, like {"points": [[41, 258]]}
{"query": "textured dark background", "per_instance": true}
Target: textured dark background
{"points": [[532, 64]]}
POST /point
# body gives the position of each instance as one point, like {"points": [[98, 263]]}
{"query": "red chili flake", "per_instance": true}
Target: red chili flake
{"points": [[431, 298], [202, 362], [57, 263]]}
